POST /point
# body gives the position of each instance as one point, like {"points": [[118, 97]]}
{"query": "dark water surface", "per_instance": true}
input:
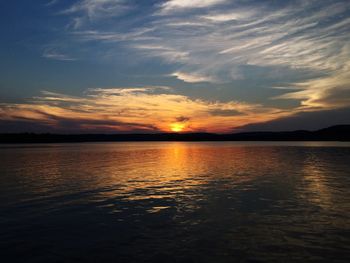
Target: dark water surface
{"points": [[175, 202]]}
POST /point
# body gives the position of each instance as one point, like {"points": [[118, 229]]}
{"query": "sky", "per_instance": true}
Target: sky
{"points": [[145, 66]]}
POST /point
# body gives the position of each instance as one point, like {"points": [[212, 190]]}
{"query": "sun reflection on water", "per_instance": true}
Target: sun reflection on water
{"points": [[172, 194]]}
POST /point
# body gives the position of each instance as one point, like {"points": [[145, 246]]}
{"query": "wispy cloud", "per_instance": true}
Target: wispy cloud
{"points": [[305, 35], [91, 10], [170, 54], [215, 40], [55, 55], [327, 92], [128, 109], [192, 78], [96, 8], [233, 15], [178, 5], [51, 3]]}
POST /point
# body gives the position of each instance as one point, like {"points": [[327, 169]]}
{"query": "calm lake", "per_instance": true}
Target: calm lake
{"points": [[175, 202]]}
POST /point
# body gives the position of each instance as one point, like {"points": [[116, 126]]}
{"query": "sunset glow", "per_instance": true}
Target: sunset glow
{"points": [[175, 131], [177, 127], [175, 66]]}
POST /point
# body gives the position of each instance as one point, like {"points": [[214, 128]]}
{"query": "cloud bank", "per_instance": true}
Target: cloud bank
{"points": [[215, 39], [218, 44], [145, 109]]}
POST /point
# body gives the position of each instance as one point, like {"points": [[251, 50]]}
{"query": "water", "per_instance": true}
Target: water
{"points": [[175, 202]]}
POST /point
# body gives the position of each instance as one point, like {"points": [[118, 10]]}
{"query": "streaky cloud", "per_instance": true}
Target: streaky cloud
{"points": [[55, 55], [180, 5], [192, 77], [140, 108], [215, 41]]}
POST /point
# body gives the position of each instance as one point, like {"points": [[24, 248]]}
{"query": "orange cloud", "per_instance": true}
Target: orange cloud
{"points": [[137, 109]]}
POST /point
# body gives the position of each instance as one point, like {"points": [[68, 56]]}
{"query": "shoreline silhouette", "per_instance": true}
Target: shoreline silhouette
{"points": [[333, 133]]}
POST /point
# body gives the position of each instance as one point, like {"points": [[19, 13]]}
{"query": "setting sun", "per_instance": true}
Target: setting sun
{"points": [[177, 127], [175, 130]]}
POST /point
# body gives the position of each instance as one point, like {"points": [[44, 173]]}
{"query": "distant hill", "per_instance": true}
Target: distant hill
{"points": [[334, 133]]}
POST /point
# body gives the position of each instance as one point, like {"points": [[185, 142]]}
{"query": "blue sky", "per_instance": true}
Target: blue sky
{"points": [[221, 65]]}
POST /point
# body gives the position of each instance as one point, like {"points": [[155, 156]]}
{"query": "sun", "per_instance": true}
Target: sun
{"points": [[177, 127]]}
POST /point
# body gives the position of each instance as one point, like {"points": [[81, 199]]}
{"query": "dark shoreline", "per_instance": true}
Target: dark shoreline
{"points": [[334, 133]]}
